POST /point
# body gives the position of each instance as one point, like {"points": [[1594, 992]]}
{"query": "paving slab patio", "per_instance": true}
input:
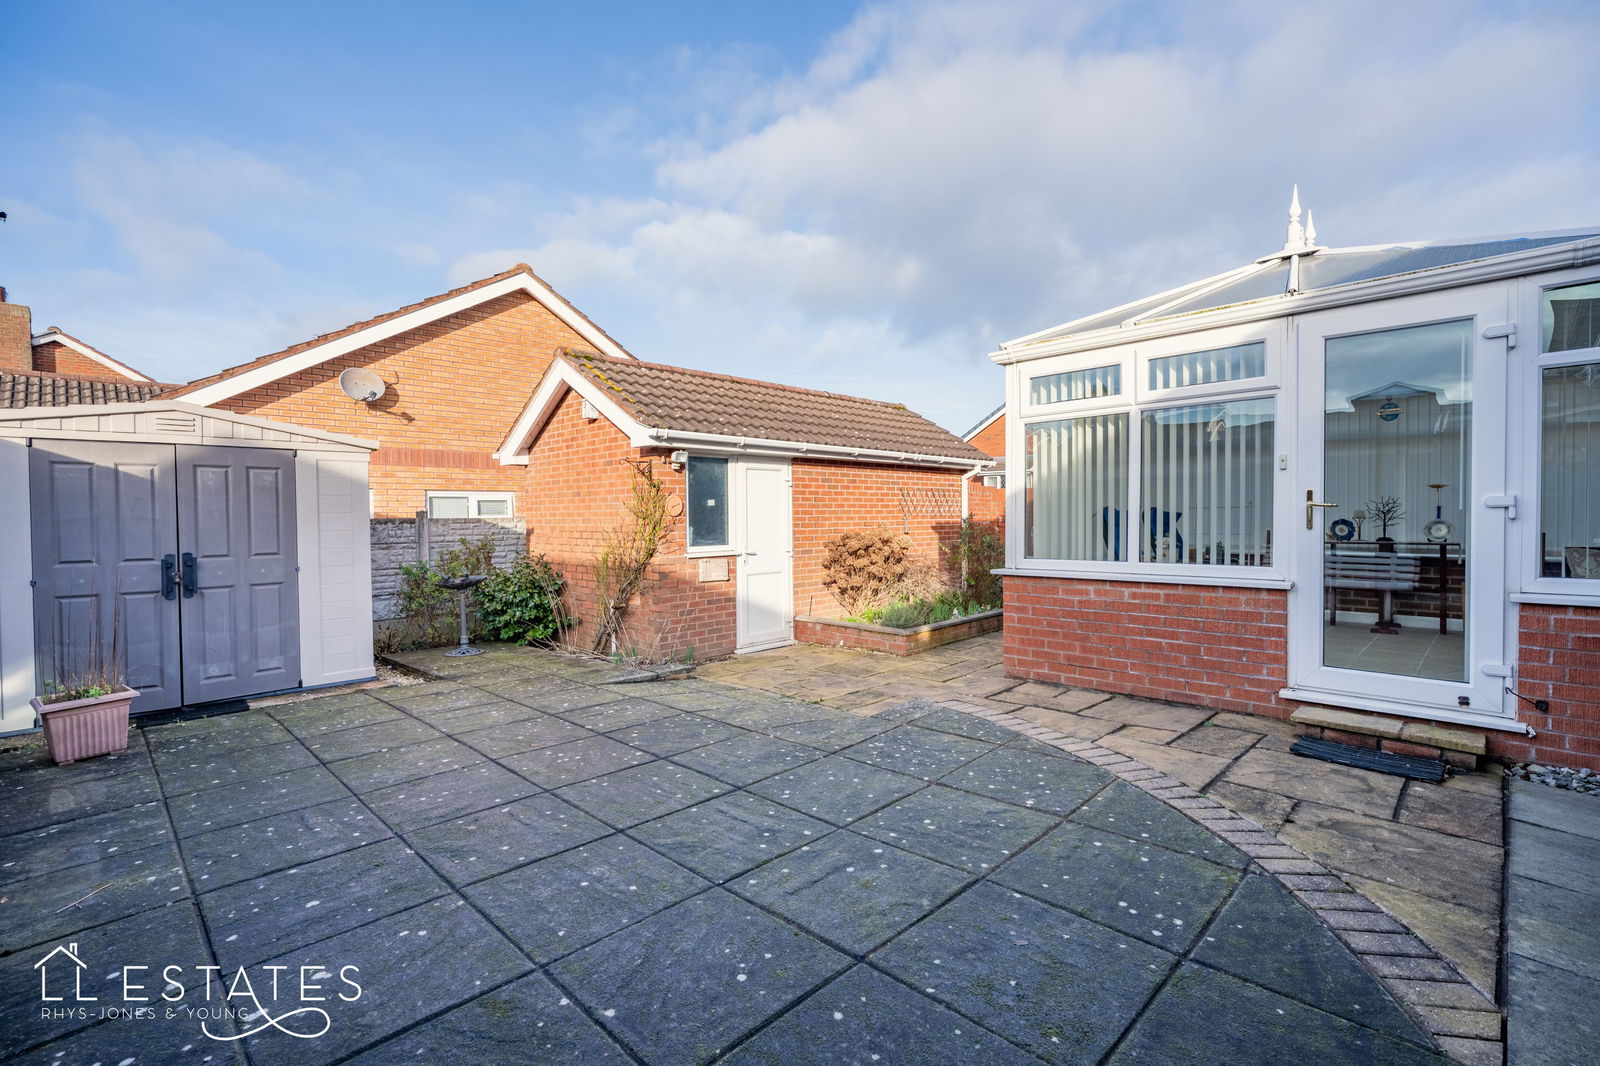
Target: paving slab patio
{"points": [[680, 872]]}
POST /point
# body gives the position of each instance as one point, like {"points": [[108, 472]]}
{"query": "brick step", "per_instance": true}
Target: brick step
{"points": [[1462, 748]]}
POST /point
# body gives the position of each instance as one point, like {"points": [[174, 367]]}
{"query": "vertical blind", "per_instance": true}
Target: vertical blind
{"points": [[1077, 489], [1205, 484], [1203, 368], [1076, 385], [1569, 519]]}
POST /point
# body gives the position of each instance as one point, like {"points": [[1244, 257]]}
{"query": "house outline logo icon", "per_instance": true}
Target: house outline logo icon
{"points": [[71, 952]]}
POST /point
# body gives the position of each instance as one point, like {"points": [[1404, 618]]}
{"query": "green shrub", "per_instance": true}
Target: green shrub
{"points": [[979, 550], [523, 603], [902, 615]]}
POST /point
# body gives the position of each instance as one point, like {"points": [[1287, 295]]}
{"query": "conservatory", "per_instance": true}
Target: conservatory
{"points": [[1357, 478]]}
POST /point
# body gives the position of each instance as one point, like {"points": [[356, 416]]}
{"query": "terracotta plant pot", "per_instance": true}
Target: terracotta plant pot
{"points": [[79, 729]]}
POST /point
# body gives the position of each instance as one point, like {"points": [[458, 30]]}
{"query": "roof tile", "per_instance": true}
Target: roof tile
{"points": [[56, 390]]}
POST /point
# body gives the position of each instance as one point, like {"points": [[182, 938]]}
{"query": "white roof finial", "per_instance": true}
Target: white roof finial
{"points": [[1296, 237], [1311, 229]]}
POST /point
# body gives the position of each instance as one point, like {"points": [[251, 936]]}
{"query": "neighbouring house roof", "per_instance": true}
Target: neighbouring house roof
{"points": [[673, 406], [1305, 276], [59, 390], [56, 335], [237, 379], [984, 423]]}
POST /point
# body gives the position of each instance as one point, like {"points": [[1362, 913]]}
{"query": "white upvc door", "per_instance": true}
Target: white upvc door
{"points": [[765, 583], [1401, 407]]}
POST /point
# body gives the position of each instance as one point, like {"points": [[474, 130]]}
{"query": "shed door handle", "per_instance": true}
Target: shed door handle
{"points": [[188, 574], [169, 577]]}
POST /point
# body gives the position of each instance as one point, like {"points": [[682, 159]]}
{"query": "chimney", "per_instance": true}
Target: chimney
{"points": [[16, 337]]}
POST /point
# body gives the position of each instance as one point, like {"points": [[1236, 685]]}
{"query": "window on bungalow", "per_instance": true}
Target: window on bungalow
{"points": [[708, 502], [1207, 367], [1076, 500], [469, 504], [1569, 497], [1205, 484], [1570, 318], [1087, 384]]}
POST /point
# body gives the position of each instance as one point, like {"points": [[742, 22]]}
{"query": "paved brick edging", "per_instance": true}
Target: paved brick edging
{"points": [[1464, 1023]]}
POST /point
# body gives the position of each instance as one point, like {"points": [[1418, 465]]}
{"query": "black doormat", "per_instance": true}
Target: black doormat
{"points": [[1385, 762]]}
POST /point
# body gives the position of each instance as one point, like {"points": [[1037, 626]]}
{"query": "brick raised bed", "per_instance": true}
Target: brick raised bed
{"points": [[834, 633]]}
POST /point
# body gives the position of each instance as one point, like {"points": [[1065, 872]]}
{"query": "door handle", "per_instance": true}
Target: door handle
{"points": [[169, 577], [188, 574], [1311, 515]]}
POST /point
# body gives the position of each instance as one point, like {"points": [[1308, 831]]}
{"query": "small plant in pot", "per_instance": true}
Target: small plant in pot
{"points": [[85, 712]]}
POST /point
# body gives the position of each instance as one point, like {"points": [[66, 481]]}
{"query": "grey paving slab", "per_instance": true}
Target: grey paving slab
{"points": [[679, 733], [1555, 924], [864, 1018], [830, 734], [641, 793], [1121, 808], [176, 1043], [1043, 782], [166, 936], [924, 753], [751, 712], [746, 759], [529, 1021], [181, 772], [499, 839], [1554, 1015], [447, 795], [838, 789], [962, 725], [60, 845], [1554, 808], [314, 717], [1320, 971], [687, 984], [458, 721], [426, 699], [728, 835], [577, 760], [268, 915], [526, 734], [1062, 987], [410, 965], [35, 792], [850, 890], [1553, 856], [972, 833], [367, 739], [560, 904], [380, 769], [1203, 1017], [1140, 889], [619, 714], [564, 699], [250, 849], [245, 801], [217, 734], [54, 904]]}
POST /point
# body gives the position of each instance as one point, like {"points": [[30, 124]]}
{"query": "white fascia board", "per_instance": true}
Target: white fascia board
{"points": [[89, 353], [561, 376], [999, 413], [321, 353], [717, 442], [1519, 264], [80, 410]]}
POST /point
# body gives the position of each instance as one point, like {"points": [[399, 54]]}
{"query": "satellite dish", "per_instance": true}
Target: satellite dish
{"points": [[360, 384]]}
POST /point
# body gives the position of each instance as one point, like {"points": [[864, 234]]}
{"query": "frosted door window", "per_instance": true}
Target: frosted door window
{"points": [[1077, 489]]}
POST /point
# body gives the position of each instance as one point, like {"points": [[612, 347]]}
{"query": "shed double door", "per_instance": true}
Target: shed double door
{"points": [[178, 560]]}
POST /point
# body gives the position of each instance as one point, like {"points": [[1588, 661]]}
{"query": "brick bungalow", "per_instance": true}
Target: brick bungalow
{"points": [[54, 368], [767, 473], [457, 369], [986, 495], [1358, 486]]}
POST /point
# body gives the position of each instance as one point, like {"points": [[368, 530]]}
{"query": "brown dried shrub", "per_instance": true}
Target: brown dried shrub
{"points": [[863, 568]]}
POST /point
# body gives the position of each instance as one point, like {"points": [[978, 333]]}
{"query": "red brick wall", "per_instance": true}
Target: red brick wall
{"points": [[991, 440], [1221, 647], [833, 497], [576, 484], [16, 337], [1227, 648], [1558, 659], [988, 504], [55, 358], [458, 385]]}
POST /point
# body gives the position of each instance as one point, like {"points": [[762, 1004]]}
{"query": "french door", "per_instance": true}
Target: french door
{"points": [[1399, 518], [177, 562]]}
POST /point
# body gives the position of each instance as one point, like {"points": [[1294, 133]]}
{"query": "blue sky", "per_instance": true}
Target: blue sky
{"points": [[864, 198]]}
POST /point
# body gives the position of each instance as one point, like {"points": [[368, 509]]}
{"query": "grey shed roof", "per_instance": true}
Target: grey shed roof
{"points": [[1310, 269], [55, 390]]}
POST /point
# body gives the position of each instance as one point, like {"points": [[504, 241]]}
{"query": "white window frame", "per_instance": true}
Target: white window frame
{"points": [[705, 551], [473, 499], [1525, 392], [1135, 400]]}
